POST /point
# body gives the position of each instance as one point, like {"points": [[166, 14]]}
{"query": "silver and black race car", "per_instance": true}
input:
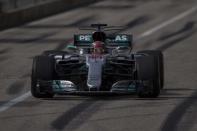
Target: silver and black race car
{"points": [[118, 70]]}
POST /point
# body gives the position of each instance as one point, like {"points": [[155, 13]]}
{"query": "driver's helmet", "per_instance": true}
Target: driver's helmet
{"points": [[98, 47]]}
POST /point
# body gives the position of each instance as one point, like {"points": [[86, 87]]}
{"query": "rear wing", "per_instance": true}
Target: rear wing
{"points": [[119, 40], [86, 40]]}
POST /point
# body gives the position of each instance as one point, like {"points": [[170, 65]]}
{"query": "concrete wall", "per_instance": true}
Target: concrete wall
{"points": [[17, 12], [13, 5], [0, 7]]}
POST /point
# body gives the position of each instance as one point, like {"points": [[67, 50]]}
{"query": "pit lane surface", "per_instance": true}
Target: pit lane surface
{"points": [[176, 107]]}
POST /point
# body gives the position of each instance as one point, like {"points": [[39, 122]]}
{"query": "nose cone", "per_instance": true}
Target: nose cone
{"points": [[93, 88], [94, 79], [93, 84]]}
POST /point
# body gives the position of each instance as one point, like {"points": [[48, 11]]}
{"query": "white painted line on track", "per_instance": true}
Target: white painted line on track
{"points": [[168, 22], [14, 101], [21, 98]]}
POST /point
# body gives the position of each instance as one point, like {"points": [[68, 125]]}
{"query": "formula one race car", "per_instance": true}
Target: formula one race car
{"points": [[98, 63]]}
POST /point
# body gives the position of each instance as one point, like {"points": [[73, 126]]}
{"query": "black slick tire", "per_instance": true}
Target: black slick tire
{"points": [[147, 72], [159, 55], [42, 69]]}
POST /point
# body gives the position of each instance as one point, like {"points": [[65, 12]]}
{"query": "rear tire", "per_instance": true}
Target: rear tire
{"points": [[147, 72], [43, 69]]}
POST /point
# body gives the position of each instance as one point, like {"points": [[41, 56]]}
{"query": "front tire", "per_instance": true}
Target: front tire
{"points": [[147, 73], [158, 55], [43, 69]]}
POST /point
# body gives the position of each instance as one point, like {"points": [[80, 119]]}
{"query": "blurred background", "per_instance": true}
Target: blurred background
{"points": [[17, 12], [29, 27]]}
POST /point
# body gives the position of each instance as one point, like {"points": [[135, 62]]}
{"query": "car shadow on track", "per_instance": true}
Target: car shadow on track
{"points": [[73, 118], [166, 94]]}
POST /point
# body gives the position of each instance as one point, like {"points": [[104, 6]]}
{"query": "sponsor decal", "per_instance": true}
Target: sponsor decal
{"points": [[85, 38], [132, 87], [62, 85], [121, 38]]}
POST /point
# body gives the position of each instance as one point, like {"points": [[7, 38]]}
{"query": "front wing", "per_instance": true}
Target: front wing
{"points": [[64, 87]]}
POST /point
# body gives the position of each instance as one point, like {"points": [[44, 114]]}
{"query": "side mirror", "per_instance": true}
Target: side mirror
{"points": [[71, 47]]}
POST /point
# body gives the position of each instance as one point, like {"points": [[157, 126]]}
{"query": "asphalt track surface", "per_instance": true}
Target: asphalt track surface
{"points": [[168, 25]]}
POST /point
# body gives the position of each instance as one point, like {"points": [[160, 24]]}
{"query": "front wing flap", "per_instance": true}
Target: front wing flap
{"points": [[68, 87]]}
